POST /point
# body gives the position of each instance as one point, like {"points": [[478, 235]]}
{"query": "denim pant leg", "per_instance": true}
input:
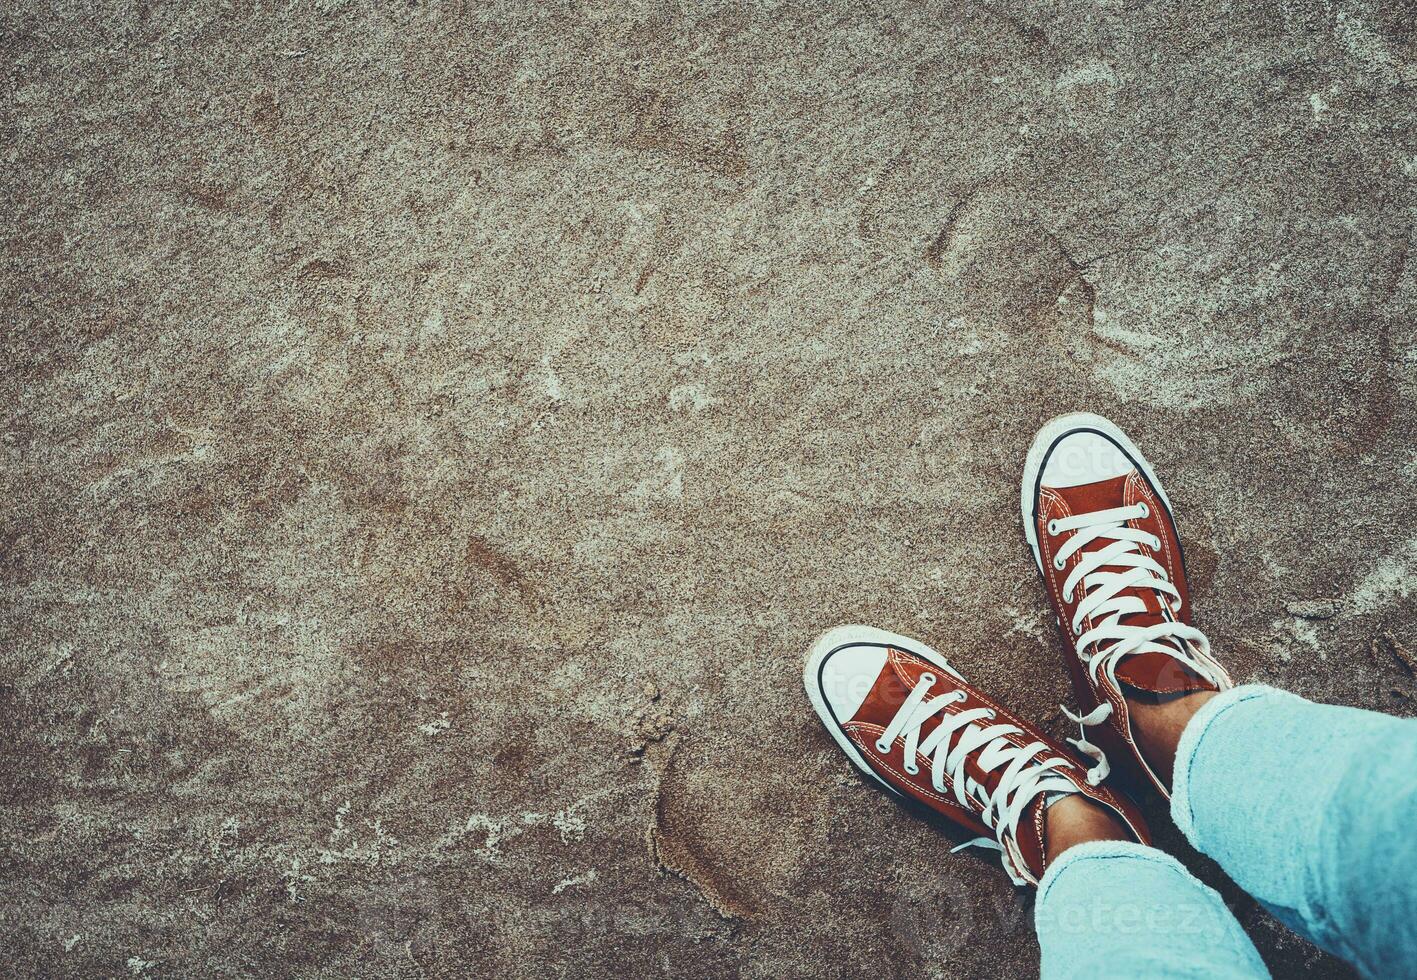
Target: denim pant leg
{"points": [[1117, 909], [1312, 809]]}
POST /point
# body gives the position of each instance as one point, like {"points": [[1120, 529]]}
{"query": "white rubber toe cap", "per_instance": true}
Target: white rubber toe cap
{"points": [[846, 675], [1084, 457]]}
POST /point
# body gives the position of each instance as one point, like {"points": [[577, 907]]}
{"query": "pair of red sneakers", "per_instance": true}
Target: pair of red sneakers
{"points": [[1104, 538]]}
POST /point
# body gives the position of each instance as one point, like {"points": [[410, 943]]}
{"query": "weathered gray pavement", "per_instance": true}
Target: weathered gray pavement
{"points": [[433, 434]]}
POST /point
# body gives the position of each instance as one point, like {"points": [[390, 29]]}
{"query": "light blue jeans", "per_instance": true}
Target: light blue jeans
{"points": [[1310, 808]]}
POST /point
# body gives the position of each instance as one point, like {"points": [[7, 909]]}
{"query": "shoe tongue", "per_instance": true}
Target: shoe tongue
{"points": [[1159, 673]]}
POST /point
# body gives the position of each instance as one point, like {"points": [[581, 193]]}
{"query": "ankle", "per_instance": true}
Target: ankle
{"points": [[1158, 721], [1074, 820]]}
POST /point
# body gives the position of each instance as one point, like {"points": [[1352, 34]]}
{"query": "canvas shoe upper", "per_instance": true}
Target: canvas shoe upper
{"points": [[908, 719], [1103, 536]]}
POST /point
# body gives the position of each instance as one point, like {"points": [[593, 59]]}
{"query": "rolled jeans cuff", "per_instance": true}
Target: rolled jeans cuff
{"points": [[1100, 850], [1191, 738], [1118, 908]]}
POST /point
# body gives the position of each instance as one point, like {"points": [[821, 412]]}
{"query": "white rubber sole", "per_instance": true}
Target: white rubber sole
{"points": [[1047, 437], [852, 635]]}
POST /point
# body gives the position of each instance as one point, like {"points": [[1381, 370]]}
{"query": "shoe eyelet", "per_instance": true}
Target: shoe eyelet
{"points": [[1053, 528], [928, 678], [883, 749], [992, 714], [1145, 510], [1155, 543], [1067, 597], [1058, 563], [913, 770]]}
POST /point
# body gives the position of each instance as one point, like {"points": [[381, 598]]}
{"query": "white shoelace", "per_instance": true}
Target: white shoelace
{"points": [[1023, 779], [1109, 640]]}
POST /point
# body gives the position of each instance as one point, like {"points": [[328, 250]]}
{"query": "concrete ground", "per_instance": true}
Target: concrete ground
{"points": [[434, 432]]}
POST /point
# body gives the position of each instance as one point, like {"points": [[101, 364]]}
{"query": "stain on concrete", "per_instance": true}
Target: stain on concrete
{"points": [[675, 845]]}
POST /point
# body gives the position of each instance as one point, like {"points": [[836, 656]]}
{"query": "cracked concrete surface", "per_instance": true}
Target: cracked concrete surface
{"points": [[434, 433]]}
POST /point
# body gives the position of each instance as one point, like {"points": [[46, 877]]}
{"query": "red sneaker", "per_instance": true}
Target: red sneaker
{"points": [[1102, 533], [912, 723]]}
